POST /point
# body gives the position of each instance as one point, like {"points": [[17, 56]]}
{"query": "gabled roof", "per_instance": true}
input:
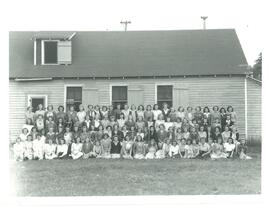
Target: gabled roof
{"points": [[133, 53]]}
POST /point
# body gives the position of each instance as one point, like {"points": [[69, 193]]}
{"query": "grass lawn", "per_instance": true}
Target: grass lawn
{"points": [[136, 177]]}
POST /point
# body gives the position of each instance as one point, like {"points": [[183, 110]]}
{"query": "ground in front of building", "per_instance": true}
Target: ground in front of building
{"points": [[95, 177]]}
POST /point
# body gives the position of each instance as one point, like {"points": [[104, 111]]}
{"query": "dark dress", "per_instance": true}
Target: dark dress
{"points": [[115, 148]]}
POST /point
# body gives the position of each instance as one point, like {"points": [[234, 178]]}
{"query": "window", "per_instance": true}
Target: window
{"points": [[119, 95], [54, 52], [50, 52], [73, 97], [35, 100], [164, 95]]}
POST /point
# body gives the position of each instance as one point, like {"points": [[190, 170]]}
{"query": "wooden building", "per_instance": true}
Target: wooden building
{"points": [[189, 67]]}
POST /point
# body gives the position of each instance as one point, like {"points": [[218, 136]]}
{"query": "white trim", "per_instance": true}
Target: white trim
{"points": [[71, 36], [116, 84], [246, 121], [35, 52], [42, 50], [33, 79], [30, 96], [257, 80], [164, 84], [65, 92]]}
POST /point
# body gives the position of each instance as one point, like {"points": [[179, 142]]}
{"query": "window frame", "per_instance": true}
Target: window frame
{"points": [[163, 84], [65, 93], [117, 85], [30, 96], [43, 52]]}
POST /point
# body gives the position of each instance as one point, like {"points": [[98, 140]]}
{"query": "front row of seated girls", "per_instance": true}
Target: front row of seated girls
{"points": [[107, 148]]}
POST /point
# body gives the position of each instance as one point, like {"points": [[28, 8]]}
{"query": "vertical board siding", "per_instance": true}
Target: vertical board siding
{"points": [[254, 113], [204, 91]]}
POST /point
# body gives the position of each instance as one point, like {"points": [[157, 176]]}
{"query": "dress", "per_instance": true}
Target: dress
{"points": [[50, 151], [217, 152], [139, 150], [38, 148], [76, 150], [189, 151], [151, 153], [127, 148], [28, 150], [106, 148], [18, 149]]}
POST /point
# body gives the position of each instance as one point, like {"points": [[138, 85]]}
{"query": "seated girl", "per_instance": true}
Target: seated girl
{"points": [[168, 123], [24, 134], [229, 147], [38, 148], [189, 150], [140, 112], [68, 136], [185, 133], [97, 150], [160, 121], [181, 113], [160, 154], [161, 133], [87, 148], [182, 149], [178, 135], [116, 131], [62, 149], [129, 122], [204, 149], [193, 134], [195, 148], [242, 150], [76, 149], [166, 147], [152, 148], [40, 123], [171, 133], [121, 121], [216, 134], [177, 124], [84, 134], [226, 134], [106, 146], [50, 150], [218, 150], [139, 149], [174, 150], [28, 148], [173, 115], [202, 133], [127, 148], [18, 150], [140, 123], [115, 148]]}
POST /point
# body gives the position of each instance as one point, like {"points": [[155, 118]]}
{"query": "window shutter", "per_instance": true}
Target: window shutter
{"points": [[89, 96], [135, 95], [180, 96], [64, 52]]}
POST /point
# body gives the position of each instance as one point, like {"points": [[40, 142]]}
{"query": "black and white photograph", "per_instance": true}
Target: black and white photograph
{"points": [[134, 98]]}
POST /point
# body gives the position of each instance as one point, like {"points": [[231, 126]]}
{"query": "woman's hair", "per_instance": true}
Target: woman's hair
{"points": [[142, 107], [216, 108], [61, 107], [90, 105], [104, 107], [50, 106], [222, 108], [181, 109], [231, 139], [199, 107], [189, 107], [109, 126], [155, 106], [230, 107], [206, 108]]}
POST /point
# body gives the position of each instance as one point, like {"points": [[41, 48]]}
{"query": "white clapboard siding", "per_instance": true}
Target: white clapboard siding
{"points": [[196, 91], [254, 114]]}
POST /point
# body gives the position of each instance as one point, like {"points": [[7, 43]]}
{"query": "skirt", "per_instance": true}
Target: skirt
{"points": [[139, 156], [160, 154], [115, 156], [150, 155]]}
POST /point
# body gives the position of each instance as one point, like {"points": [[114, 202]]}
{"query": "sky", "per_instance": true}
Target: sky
{"points": [[244, 16]]}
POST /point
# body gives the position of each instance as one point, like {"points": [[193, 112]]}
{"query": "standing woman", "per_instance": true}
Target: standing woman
{"points": [[189, 114], [151, 135], [156, 112], [151, 150], [233, 114], [97, 111], [61, 115], [40, 111], [181, 113], [104, 112], [215, 115], [198, 115], [207, 114], [148, 114], [29, 114], [139, 149], [126, 112], [115, 148], [133, 112], [140, 112], [121, 121], [50, 113], [116, 131], [223, 117], [165, 110], [106, 146], [81, 114], [129, 122]]}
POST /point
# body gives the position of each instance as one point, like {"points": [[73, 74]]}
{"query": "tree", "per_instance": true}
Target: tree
{"points": [[257, 68]]}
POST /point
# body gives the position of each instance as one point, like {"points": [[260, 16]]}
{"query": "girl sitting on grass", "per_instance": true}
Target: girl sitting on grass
{"points": [[62, 149], [115, 148], [97, 150], [166, 147], [160, 154], [87, 148], [127, 148], [28, 148], [106, 146], [218, 150], [242, 150], [38, 148], [182, 148], [229, 147], [139, 149], [204, 149], [195, 148], [189, 150], [18, 149], [50, 150], [174, 150], [152, 148], [24, 134], [76, 149], [226, 134]]}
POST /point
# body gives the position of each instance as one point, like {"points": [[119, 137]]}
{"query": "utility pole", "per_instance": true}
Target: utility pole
{"points": [[204, 21], [125, 23]]}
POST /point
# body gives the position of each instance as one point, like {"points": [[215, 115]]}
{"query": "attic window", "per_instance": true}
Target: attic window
{"points": [[55, 52]]}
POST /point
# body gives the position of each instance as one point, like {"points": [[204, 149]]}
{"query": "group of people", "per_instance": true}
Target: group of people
{"points": [[130, 132]]}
